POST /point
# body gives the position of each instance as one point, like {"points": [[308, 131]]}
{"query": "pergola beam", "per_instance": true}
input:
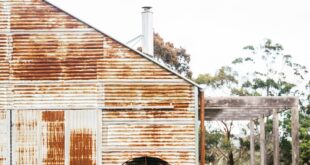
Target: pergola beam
{"points": [[252, 107], [234, 114], [253, 102]]}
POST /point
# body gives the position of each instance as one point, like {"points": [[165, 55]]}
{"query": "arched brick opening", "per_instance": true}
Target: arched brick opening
{"points": [[146, 161]]}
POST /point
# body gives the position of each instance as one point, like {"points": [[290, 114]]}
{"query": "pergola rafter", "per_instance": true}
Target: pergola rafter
{"points": [[251, 108]]}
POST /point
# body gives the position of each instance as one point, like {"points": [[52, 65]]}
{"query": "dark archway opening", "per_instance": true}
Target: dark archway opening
{"points": [[146, 161]]}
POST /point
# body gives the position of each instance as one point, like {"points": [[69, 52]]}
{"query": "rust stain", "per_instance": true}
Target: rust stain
{"points": [[2, 160], [54, 46], [179, 96], [55, 57], [25, 127], [81, 147], [55, 137], [39, 15]]}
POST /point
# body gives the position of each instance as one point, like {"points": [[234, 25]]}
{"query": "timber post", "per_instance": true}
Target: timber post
{"points": [[262, 141], [202, 128], [276, 147], [295, 136], [252, 143]]}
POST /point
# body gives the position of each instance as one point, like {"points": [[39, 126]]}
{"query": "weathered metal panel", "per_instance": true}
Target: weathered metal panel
{"points": [[5, 137], [4, 56], [55, 95], [4, 14], [120, 62], [56, 73], [65, 56], [178, 95], [39, 137], [25, 140], [82, 129], [166, 134], [37, 14], [53, 137]]}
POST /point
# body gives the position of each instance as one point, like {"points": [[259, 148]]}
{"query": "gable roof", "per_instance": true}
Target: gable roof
{"points": [[123, 44]]}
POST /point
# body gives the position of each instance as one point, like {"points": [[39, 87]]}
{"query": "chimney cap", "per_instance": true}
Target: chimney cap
{"points": [[147, 8]]}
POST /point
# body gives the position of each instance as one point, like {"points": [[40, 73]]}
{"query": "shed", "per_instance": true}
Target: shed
{"points": [[71, 94]]}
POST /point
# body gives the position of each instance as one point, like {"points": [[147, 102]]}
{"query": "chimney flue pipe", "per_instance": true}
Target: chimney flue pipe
{"points": [[147, 31]]}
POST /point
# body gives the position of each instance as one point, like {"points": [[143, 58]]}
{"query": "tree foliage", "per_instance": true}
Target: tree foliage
{"points": [[275, 72], [221, 78], [268, 71], [174, 58]]}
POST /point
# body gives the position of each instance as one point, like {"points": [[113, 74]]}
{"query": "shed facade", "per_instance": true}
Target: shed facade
{"points": [[71, 94]]}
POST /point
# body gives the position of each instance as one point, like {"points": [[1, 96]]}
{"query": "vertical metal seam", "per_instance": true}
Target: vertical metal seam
{"points": [[11, 135], [100, 102], [202, 127], [67, 138], [196, 125], [39, 137], [98, 139]]}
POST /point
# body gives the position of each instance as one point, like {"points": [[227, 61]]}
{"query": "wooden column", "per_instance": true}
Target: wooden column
{"points": [[295, 136], [262, 141], [252, 143], [276, 148], [202, 128]]}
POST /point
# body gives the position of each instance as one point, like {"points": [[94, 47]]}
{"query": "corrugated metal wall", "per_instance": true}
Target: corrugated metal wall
{"points": [[167, 134], [4, 136], [79, 97]]}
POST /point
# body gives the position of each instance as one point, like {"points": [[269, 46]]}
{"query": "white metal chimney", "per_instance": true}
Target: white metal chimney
{"points": [[147, 31]]}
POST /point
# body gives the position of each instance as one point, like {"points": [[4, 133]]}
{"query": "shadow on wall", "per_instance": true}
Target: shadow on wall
{"points": [[146, 161]]}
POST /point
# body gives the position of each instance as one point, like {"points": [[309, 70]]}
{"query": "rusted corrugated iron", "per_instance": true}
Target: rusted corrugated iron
{"points": [[4, 133], [53, 137], [59, 75]]}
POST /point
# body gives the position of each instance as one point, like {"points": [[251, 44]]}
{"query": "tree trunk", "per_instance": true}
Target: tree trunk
{"points": [[230, 158]]}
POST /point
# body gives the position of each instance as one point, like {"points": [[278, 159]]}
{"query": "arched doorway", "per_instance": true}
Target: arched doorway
{"points": [[146, 161]]}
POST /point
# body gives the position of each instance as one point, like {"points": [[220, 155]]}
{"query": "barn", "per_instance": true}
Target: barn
{"points": [[71, 94]]}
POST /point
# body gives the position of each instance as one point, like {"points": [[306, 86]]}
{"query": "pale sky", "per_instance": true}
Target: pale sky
{"points": [[212, 31]]}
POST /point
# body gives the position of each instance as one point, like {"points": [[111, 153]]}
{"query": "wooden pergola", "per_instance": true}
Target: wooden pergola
{"points": [[252, 108]]}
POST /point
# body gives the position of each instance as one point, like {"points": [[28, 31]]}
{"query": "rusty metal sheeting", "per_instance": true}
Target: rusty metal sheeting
{"points": [[168, 135], [121, 63], [53, 137], [172, 157], [82, 132], [4, 59], [37, 14], [4, 133], [56, 56], [78, 56], [55, 95], [57, 73], [45, 137], [26, 142], [180, 96]]}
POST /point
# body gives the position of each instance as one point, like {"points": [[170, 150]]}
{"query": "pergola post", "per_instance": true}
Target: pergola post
{"points": [[252, 143], [276, 148], [295, 136], [262, 141]]}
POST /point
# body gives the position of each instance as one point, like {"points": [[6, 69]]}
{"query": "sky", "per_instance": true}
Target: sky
{"points": [[212, 31]]}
